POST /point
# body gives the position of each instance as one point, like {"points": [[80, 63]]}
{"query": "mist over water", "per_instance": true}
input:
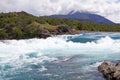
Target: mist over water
{"points": [[63, 57]]}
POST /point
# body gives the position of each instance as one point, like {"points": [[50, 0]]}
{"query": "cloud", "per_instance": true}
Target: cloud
{"points": [[107, 8]]}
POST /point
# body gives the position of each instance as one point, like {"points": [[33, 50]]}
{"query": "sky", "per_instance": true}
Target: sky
{"points": [[107, 8]]}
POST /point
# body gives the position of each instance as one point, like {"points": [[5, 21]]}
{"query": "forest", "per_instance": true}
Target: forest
{"points": [[22, 25]]}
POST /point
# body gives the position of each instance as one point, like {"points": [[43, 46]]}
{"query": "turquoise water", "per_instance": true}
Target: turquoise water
{"points": [[64, 57]]}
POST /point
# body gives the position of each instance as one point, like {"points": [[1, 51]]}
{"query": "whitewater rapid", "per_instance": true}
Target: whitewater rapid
{"points": [[19, 55]]}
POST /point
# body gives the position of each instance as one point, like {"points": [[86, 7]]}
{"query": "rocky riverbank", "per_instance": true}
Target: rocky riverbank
{"points": [[35, 30], [60, 30], [111, 71]]}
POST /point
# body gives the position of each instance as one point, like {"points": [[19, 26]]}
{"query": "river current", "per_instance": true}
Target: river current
{"points": [[62, 57]]}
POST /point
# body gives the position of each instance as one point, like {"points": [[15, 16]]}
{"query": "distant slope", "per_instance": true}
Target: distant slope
{"points": [[84, 16]]}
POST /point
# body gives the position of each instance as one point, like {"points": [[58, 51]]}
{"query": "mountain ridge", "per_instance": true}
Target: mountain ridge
{"points": [[84, 16]]}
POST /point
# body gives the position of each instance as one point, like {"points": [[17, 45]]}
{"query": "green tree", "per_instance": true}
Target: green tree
{"points": [[17, 32], [3, 33]]}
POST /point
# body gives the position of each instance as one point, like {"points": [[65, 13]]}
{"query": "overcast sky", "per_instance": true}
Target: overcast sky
{"points": [[107, 8]]}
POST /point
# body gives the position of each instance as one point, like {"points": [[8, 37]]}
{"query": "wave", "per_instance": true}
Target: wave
{"points": [[8, 47], [54, 45], [30, 53]]}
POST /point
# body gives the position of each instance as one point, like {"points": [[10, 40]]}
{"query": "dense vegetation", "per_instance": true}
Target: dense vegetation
{"points": [[23, 25], [82, 25]]}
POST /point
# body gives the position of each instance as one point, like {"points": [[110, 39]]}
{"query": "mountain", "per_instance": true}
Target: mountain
{"points": [[84, 16]]}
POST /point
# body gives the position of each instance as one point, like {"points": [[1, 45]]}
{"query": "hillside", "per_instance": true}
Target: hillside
{"points": [[22, 25]]}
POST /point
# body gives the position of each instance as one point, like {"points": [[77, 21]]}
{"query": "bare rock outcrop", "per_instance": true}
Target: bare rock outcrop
{"points": [[111, 71]]}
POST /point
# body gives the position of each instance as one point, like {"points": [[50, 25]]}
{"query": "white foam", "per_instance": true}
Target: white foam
{"points": [[95, 64], [42, 69], [15, 52], [91, 67]]}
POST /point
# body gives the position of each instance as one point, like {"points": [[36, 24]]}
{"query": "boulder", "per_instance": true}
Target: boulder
{"points": [[111, 71]]}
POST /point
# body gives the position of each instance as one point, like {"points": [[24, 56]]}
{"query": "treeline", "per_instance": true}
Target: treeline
{"points": [[17, 25], [82, 25]]}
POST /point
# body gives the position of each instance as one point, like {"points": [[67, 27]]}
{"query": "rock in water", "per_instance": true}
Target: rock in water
{"points": [[110, 71]]}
